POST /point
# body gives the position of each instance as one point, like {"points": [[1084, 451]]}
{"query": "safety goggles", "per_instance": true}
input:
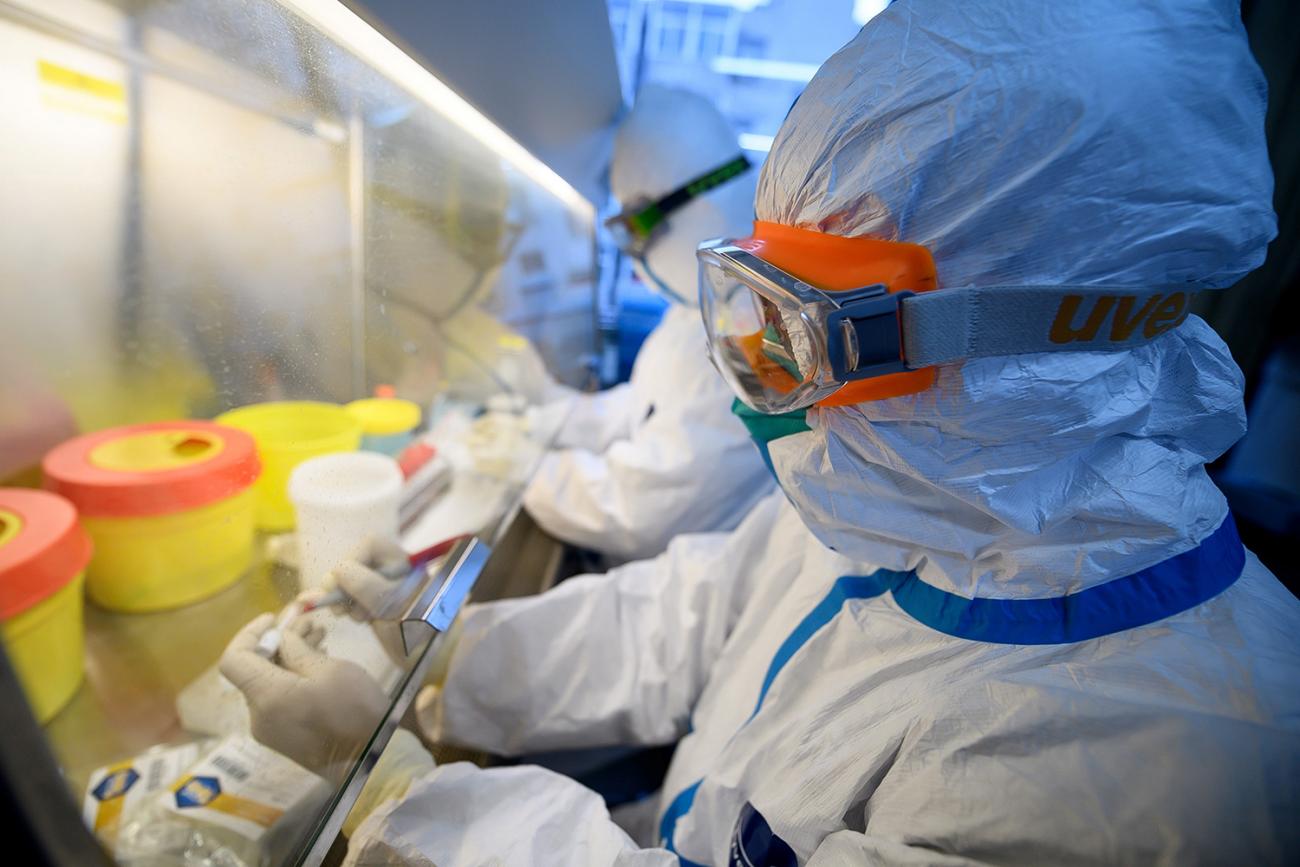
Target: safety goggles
{"points": [[783, 344], [636, 228]]}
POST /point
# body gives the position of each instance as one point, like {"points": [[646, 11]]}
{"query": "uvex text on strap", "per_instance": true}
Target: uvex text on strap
{"points": [[977, 322], [954, 324]]}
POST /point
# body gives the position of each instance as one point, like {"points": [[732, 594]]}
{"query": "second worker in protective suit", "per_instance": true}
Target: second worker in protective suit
{"points": [[662, 454], [998, 613]]}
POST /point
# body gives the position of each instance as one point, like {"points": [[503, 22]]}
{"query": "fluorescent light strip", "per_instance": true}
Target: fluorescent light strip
{"points": [[754, 142], [753, 67], [353, 33]]}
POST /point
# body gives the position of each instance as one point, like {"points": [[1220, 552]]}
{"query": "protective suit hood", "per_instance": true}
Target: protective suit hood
{"points": [[1107, 152], [670, 137]]}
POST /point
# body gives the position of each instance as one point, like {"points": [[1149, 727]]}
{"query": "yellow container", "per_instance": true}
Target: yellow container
{"points": [[43, 554], [165, 561], [288, 433], [170, 506], [45, 645], [387, 423]]}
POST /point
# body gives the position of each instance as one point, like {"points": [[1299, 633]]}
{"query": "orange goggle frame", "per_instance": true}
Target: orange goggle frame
{"points": [[823, 329]]}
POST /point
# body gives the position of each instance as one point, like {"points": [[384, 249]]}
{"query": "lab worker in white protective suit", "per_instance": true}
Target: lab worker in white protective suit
{"points": [[1002, 616], [637, 464]]}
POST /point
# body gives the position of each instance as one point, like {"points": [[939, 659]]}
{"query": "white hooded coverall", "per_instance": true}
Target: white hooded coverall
{"points": [[662, 454], [1006, 620]]}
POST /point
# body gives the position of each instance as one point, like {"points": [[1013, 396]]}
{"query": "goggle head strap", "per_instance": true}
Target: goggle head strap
{"points": [[638, 224], [954, 324], [874, 332]]}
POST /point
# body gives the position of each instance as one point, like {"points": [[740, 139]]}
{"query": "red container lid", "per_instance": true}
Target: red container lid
{"points": [[414, 456], [42, 548], [152, 469]]}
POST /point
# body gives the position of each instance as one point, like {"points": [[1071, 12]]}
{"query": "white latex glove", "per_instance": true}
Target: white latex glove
{"points": [[316, 710], [364, 578], [492, 427], [544, 422], [376, 598], [499, 446]]}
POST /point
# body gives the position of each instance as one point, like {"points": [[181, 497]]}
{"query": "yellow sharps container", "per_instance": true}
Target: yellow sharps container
{"points": [[169, 505], [287, 433], [43, 556]]}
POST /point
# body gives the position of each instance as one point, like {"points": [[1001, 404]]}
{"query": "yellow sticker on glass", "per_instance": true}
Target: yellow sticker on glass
{"points": [[70, 90]]}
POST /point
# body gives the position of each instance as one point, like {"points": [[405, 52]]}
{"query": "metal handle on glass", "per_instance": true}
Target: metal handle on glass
{"points": [[434, 609]]}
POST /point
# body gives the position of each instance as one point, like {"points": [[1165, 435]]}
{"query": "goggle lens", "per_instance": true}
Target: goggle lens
{"points": [[761, 347]]}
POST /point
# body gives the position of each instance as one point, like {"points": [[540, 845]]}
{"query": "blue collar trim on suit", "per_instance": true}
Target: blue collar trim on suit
{"points": [[1154, 593]]}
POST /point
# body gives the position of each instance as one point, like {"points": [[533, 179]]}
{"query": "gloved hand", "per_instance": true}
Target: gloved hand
{"points": [[380, 600], [499, 446], [318, 711], [375, 596], [545, 422]]}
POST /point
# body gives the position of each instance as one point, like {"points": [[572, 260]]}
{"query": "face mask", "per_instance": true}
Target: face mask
{"points": [[764, 428]]}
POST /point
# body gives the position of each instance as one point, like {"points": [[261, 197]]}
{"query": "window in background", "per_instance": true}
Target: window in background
{"points": [[751, 45], [751, 57]]}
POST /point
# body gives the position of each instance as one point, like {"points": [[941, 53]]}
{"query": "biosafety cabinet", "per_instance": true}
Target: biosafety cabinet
{"points": [[266, 283]]}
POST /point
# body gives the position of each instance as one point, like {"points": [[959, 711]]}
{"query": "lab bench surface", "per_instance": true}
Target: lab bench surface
{"points": [[138, 664]]}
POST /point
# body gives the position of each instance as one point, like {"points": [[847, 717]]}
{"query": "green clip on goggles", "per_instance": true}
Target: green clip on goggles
{"points": [[638, 225]]}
